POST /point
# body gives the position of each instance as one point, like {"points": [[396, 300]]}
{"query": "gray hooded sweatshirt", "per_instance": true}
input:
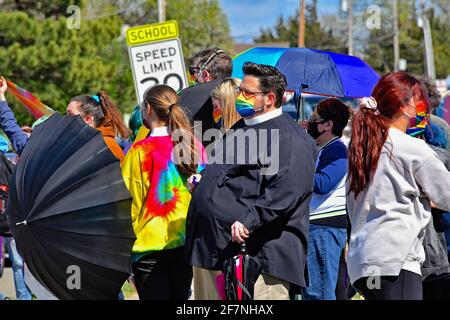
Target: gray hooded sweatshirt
{"points": [[388, 218]]}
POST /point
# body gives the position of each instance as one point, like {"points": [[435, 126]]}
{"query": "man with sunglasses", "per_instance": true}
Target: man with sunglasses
{"points": [[208, 68], [253, 199], [210, 64]]}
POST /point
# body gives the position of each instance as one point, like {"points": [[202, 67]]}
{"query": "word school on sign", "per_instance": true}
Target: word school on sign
{"points": [[152, 33]]}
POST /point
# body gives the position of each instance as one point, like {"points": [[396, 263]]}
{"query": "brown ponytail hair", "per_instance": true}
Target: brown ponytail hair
{"points": [[112, 118], [103, 112], [370, 126], [164, 102]]}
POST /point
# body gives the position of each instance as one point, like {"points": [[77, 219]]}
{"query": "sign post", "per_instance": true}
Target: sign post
{"points": [[156, 57]]}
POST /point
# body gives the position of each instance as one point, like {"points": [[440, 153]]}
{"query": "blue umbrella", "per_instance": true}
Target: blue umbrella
{"points": [[314, 71]]}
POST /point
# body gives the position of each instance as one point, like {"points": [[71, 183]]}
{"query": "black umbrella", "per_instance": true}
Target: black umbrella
{"points": [[198, 104], [197, 97], [69, 211]]}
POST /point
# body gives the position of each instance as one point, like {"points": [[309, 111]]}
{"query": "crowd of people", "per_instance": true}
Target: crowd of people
{"points": [[321, 216]]}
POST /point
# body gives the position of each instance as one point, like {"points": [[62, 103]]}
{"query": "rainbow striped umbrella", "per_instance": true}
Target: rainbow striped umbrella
{"points": [[33, 104], [314, 71]]}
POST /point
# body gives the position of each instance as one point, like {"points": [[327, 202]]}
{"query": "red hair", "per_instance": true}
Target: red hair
{"points": [[370, 127]]}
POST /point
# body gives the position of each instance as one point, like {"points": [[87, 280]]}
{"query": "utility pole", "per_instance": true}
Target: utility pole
{"points": [[350, 27], [428, 42], [161, 10], [396, 41], [301, 25]]}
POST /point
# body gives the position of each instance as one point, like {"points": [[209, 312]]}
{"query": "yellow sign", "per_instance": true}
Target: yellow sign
{"points": [[152, 32]]}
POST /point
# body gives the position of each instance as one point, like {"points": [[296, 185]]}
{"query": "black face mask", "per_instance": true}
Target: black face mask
{"points": [[313, 129]]}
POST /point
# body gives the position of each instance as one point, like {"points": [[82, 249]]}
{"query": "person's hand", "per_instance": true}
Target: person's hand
{"points": [[239, 232], [27, 130], [304, 124], [3, 88], [192, 182]]}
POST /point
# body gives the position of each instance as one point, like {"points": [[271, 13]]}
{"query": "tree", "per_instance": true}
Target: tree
{"points": [[39, 8], [40, 53], [56, 63], [316, 36], [201, 23], [379, 50]]}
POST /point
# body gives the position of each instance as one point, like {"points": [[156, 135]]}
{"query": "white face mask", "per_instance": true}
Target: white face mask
{"points": [[412, 119]]}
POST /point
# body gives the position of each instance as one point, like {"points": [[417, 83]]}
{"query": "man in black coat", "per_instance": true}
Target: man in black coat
{"points": [[256, 188]]}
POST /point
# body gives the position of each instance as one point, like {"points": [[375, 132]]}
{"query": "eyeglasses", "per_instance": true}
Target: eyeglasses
{"points": [[193, 70], [248, 94]]}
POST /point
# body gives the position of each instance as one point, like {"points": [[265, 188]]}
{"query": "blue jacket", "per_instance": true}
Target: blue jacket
{"points": [[9, 125], [328, 202], [332, 167]]}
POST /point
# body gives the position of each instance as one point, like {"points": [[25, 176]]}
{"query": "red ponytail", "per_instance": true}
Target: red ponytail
{"points": [[370, 128]]}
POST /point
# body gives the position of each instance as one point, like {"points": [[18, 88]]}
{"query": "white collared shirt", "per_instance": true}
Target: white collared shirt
{"points": [[159, 132], [264, 117]]}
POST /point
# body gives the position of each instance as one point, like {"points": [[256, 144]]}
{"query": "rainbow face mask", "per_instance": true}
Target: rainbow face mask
{"points": [[245, 106], [419, 123]]}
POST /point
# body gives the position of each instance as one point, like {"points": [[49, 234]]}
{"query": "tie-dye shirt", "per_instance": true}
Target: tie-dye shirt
{"points": [[160, 196]]}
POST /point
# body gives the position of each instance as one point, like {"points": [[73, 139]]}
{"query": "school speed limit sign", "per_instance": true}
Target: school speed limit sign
{"points": [[156, 62]]}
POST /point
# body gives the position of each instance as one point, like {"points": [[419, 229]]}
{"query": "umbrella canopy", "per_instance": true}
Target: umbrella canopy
{"points": [[197, 97], [69, 211], [198, 104], [314, 71]]}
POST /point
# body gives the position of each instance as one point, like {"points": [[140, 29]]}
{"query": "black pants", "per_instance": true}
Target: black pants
{"points": [[406, 286], [437, 288], [163, 275], [344, 290]]}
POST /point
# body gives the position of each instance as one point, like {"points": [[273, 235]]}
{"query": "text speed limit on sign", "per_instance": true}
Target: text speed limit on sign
{"points": [[158, 63]]}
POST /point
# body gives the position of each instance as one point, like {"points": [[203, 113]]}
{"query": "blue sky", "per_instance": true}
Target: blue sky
{"points": [[246, 17]]}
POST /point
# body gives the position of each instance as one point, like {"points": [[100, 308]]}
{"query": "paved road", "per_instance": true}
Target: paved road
{"points": [[7, 286], [7, 283]]}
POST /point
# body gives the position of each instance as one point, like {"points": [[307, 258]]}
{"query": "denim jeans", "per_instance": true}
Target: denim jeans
{"points": [[325, 246], [436, 256], [22, 291]]}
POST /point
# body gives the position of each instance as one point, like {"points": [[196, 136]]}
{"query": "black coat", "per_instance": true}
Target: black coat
{"points": [[198, 104], [274, 207]]}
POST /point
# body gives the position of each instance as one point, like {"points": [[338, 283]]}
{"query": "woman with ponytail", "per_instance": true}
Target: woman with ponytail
{"points": [[394, 179], [155, 171], [99, 112]]}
